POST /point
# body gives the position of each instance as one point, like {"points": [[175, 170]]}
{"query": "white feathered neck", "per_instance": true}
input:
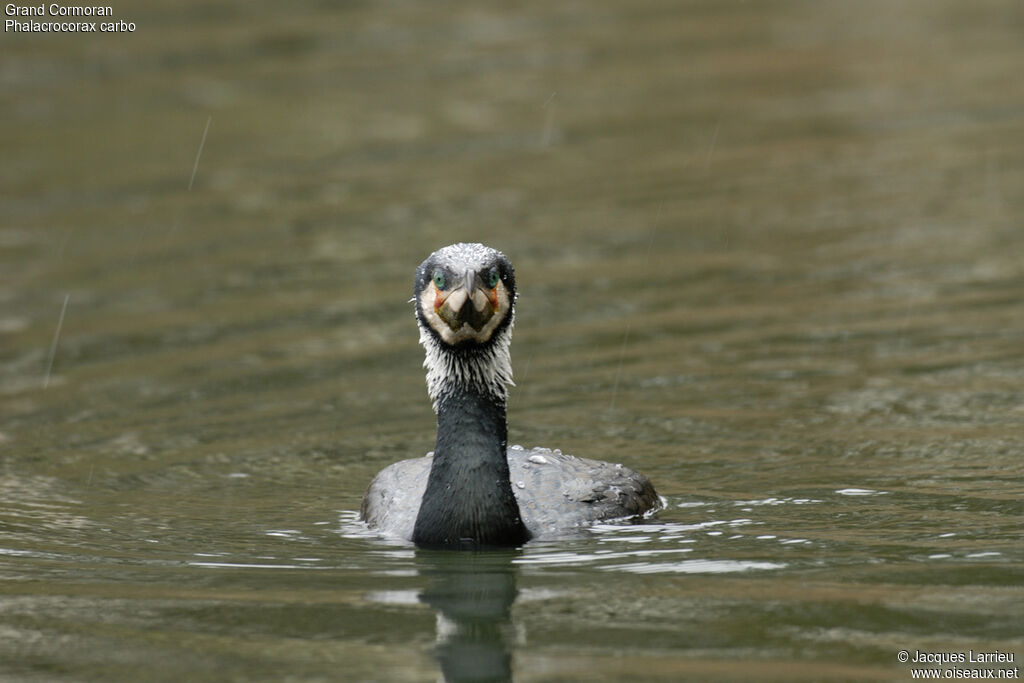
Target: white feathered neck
{"points": [[487, 369]]}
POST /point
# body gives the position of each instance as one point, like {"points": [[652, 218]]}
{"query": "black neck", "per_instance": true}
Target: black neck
{"points": [[468, 502]]}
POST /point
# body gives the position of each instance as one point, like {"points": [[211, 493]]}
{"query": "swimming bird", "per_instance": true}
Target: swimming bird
{"points": [[473, 491]]}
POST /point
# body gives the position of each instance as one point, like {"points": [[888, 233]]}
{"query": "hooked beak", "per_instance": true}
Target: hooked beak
{"points": [[470, 303]]}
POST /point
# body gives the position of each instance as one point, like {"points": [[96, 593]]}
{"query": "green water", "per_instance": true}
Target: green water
{"points": [[769, 254]]}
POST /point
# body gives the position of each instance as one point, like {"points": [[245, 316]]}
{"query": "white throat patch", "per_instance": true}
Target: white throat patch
{"points": [[489, 371]]}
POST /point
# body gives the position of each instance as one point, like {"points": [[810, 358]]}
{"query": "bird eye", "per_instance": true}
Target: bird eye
{"points": [[492, 278], [439, 280]]}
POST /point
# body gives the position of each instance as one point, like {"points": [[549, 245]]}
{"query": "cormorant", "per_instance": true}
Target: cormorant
{"points": [[473, 491]]}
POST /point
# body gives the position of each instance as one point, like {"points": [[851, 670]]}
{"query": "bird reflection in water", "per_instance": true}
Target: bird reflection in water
{"points": [[472, 594]]}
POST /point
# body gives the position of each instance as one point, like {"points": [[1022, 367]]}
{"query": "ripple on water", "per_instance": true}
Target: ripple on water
{"points": [[668, 547], [695, 567], [861, 492], [644, 548], [778, 532]]}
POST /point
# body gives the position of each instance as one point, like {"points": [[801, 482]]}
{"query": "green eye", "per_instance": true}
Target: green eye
{"points": [[439, 280], [493, 278]]}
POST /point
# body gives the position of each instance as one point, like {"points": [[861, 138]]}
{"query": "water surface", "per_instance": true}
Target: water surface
{"points": [[768, 254]]}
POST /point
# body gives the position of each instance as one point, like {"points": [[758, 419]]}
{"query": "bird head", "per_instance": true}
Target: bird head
{"points": [[465, 304], [465, 294]]}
